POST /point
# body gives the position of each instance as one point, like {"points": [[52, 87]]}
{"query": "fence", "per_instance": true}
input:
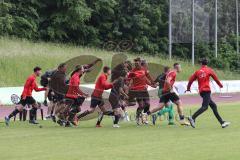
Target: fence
{"points": [[197, 21]]}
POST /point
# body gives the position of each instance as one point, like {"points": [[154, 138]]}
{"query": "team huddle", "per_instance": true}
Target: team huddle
{"points": [[128, 83]]}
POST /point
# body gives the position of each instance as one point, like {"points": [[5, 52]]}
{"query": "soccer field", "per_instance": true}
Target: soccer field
{"points": [[22, 141], [92, 79]]}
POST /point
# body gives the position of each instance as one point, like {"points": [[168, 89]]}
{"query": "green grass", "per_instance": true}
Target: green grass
{"points": [[22, 141], [18, 57]]}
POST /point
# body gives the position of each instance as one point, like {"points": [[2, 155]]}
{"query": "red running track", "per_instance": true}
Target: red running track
{"points": [[190, 100]]}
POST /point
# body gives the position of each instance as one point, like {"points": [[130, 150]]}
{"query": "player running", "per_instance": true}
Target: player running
{"points": [[59, 86], [170, 95], [144, 64], [117, 97], [117, 72], [74, 92], [160, 80], [45, 78], [138, 88], [96, 98], [26, 97], [203, 77], [44, 82]]}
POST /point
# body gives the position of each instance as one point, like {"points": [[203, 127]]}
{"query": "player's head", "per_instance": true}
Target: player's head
{"points": [[106, 70], [137, 62], [123, 74], [144, 63], [78, 69], [81, 68], [166, 69], [177, 67], [37, 71], [62, 67], [128, 65], [204, 61]]}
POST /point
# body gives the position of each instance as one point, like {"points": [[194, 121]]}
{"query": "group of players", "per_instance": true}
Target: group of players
{"points": [[128, 83]]}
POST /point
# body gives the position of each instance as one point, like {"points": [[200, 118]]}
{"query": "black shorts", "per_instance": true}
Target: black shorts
{"points": [[170, 96], [138, 95], [115, 101], [27, 101], [77, 102], [96, 102], [57, 97]]}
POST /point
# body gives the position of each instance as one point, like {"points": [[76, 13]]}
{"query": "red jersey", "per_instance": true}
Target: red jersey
{"points": [[171, 76], [203, 77], [149, 76], [139, 79], [31, 85], [101, 85], [74, 90]]}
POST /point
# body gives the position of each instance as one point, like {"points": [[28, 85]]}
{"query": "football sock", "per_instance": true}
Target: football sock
{"points": [[171, 114], [33, 113], [138, 112], [83, 114], [146, 109], [100, 120], [72, 114], [14, 113], [117, 117]]}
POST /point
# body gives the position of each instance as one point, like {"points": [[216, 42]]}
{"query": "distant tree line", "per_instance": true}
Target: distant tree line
{"points": [[94, 22]]}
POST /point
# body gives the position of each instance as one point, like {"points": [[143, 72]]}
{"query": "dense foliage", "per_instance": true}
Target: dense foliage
{"points": [[94, 22]]}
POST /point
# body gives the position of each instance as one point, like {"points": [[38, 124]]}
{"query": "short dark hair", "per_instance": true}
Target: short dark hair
{"points": [[106, 69], [35, 69], [166, 68], [143, 62], [175, 65], [123, 74], [77, 68], [204, 61], [61, 65], [138, 59], [129, 65]]}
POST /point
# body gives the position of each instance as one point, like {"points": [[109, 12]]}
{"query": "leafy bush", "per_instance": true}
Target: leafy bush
{"points": [[94, 22]]}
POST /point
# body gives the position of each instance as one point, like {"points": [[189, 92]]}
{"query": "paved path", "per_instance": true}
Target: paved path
{"points": [[187, 101]]}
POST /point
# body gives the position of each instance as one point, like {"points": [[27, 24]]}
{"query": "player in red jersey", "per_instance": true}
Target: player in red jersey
{"points": [[169, 95], [26, 97], [96, 98], [203, 77], [138, 88], [144, 64], [74, 93]]}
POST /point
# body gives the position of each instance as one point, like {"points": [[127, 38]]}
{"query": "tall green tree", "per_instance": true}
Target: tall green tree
{"points": [[64, 20], [19, 18]]}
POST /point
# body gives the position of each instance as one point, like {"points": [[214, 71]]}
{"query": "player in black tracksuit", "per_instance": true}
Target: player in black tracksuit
{"points": [[116, 97]]}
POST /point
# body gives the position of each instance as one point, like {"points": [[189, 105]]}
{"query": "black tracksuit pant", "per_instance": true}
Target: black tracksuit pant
{"points": [[207, 101]]}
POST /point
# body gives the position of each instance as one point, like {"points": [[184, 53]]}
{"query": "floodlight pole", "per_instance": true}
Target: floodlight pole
{"points": [[193, 31], [216, 28], [170, 30], [237, 28]]}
